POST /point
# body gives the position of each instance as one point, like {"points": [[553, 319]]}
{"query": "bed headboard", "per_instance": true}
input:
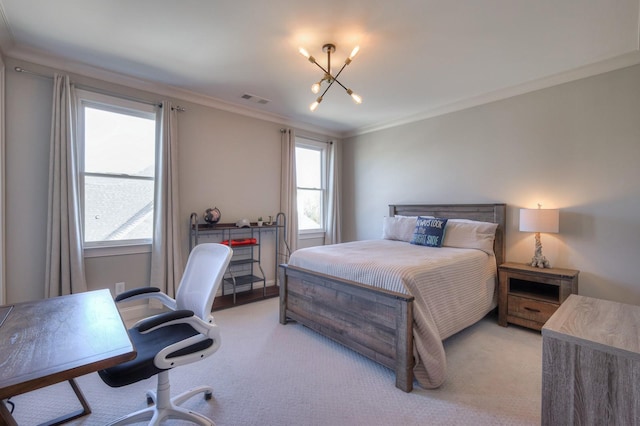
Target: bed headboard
{"points": [[495, 213]]}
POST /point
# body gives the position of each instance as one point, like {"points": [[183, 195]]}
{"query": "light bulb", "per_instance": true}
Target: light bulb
{"points": [[354, 52], [303, 52], [315, 87], [314, 105], [356, 98]]}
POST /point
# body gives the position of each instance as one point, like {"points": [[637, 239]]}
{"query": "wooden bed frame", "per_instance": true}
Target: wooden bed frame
{"points": [[374, 322]]}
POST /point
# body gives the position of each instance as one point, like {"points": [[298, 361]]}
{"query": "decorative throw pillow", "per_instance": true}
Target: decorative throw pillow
{"points": [[429, 231]]}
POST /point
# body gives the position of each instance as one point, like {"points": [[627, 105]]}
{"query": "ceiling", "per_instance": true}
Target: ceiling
{"points": [[418, 58]]}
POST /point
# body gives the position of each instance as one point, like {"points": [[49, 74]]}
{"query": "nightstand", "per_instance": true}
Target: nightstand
{"points": [[528, 296]]}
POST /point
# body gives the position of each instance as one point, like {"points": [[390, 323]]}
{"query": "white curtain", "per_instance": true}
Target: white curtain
{"points": [[166, 253], [64, 272], [288, 187], [333, 234], [3, 293]]}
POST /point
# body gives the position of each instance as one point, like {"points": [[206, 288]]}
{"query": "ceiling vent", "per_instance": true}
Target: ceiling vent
{"points": [[255, 99]]}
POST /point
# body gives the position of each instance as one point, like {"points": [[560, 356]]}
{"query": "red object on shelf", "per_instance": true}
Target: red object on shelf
{"points": [[240, 242]]}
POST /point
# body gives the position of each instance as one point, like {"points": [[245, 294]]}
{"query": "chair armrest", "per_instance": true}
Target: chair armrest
{"points": [[146, 293], [206, 331], [136, 291], [163, 319], [182, 316]]}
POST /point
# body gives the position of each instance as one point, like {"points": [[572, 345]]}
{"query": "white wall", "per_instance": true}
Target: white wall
{"points": [[575, 147], [225, 160]]}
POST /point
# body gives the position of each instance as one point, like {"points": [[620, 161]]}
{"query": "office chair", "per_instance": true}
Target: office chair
{"points": [[185, 334]]}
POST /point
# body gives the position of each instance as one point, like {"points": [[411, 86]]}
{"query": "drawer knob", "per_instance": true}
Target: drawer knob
{"points": [[531, 309]]}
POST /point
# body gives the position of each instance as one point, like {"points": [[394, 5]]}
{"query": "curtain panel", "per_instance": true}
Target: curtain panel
{"points": [[166, 253], [333, 234], [288, 187], [64, 273]]}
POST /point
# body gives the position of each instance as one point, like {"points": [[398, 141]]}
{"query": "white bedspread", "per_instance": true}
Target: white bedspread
{"points": [[453, 288]]}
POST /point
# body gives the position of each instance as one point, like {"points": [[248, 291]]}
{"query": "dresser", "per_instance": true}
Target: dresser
{"points": [[591, 363]]}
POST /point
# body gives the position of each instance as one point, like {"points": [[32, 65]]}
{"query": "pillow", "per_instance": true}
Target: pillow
{"points": [[429, 231], [463, 233], [398, 228]]}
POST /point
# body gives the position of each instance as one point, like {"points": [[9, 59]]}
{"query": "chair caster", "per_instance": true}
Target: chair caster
{"points": [[208, 395], [149, 400]]}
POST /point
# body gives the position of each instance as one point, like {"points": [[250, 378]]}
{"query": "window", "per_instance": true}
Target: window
{"points": [[116, 148], [311, 176]]}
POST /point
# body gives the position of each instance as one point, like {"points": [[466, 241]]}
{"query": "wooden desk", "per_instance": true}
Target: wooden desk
{"points": [[591, 363], [54, 340]]}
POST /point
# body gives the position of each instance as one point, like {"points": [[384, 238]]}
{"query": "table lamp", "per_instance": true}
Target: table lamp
{"points": [[539, 220]]}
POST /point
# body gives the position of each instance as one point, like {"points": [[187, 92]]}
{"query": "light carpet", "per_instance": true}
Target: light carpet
{"points": [[272, 374]]}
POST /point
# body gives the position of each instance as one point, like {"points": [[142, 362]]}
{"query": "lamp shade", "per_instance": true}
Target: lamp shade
{"points": [[540, 220]]}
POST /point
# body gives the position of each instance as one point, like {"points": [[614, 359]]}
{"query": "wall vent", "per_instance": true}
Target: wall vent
{"points": [[255, 99]]}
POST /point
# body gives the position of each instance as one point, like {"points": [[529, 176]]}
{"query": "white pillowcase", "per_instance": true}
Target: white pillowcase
{"points": [[464, 233], [398, 228]]}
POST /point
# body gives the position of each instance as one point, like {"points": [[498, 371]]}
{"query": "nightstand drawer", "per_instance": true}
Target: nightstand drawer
{"points": [[530, 309]]}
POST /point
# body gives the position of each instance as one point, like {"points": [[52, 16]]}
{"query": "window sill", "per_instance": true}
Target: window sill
{"points": [[116, 250], [310, 235]]}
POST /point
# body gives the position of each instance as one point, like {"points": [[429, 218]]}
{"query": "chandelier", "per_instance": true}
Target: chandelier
{"points": [[329, 78]]}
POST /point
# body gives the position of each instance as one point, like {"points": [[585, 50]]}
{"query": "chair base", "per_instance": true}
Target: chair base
{"points": [[167, 408]]}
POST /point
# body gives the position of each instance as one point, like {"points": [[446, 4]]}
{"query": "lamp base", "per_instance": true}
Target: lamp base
{"points": [[538, 260]]}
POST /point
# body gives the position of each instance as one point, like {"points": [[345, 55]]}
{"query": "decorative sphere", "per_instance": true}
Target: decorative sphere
{"points": [[212, 215]]}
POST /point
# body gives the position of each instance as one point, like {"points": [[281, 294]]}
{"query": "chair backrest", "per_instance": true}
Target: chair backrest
{"points": [[202, 277]]}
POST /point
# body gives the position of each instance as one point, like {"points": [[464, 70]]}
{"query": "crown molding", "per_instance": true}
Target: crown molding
{"points": [[44, 59], [601, 67], [47, 60]]}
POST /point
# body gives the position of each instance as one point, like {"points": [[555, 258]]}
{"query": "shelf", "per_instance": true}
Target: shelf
{"points": [[534, 290], [227, 226], [227, 301], [241, 246], [243, 262], [244, 279]]}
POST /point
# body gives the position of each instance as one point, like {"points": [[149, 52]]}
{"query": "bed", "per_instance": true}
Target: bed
{"points": [[390, 326]]}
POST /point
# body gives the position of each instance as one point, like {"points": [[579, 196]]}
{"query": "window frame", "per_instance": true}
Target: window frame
{"points": [[111, 103], [307, 143]]}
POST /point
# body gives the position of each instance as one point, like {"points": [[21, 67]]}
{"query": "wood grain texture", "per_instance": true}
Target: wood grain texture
{"points": [[591, 364], [53, 340], [372, 321], [537, 295]]}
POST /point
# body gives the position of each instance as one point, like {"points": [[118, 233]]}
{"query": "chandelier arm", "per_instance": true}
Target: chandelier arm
{"points": [[322, 68], [332, 77], [336, 77], [329, 86], [339, 72], [336, 80]]}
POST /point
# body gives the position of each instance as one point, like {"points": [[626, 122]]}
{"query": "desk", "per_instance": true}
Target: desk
{"points": [[591, 363], [55, 340]]}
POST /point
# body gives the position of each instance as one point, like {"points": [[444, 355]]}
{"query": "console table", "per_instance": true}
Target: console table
{"points": [[591, 363]]}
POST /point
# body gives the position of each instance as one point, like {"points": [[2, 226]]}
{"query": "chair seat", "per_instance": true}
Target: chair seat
{"points": [[148, 345]]}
